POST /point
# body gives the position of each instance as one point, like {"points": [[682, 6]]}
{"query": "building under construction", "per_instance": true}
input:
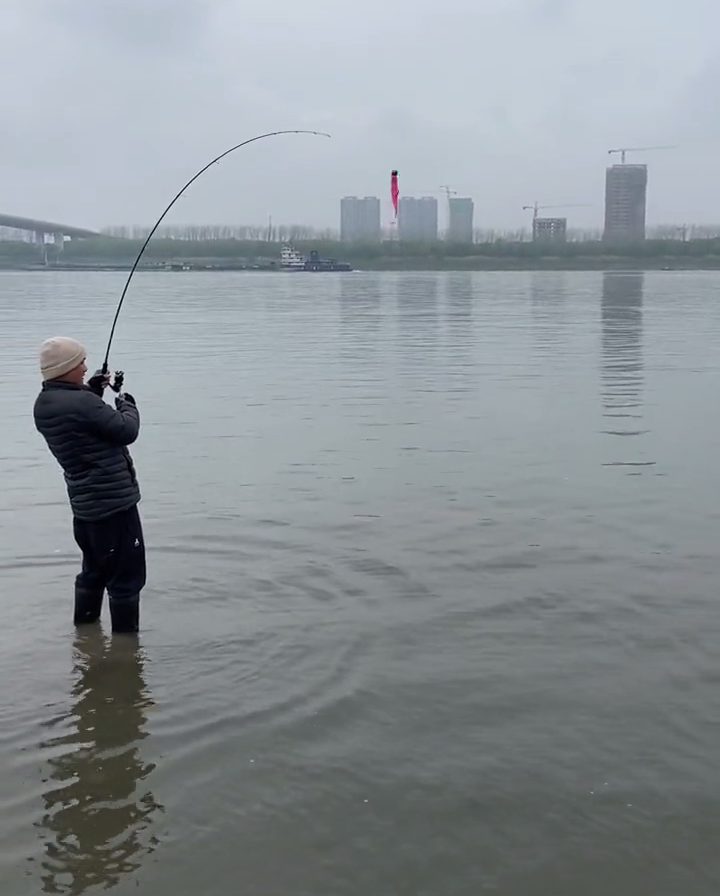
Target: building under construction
{"points": [[549, 230], [625, 203]]}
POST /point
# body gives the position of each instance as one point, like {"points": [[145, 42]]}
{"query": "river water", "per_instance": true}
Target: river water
{"points": [[433, 590]]}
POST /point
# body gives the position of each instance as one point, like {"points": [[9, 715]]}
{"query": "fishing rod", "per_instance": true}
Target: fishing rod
{"points": [[222, 155]]}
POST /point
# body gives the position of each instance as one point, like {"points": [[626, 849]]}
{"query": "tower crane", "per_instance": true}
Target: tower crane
{"points": [[625, 149], [536, 208], [448, 193]]}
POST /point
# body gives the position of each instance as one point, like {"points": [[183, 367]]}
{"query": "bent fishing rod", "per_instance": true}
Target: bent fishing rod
{"points": [[222, 155]]}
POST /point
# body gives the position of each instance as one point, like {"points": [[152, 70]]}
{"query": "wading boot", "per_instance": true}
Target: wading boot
{"points": [[125, 614], [88, 604]]}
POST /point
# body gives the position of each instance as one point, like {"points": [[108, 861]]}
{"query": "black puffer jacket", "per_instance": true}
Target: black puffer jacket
{"points": [[88, 439]]}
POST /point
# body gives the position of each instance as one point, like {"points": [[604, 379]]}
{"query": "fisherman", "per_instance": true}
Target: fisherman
{"points": [[89, 440]]}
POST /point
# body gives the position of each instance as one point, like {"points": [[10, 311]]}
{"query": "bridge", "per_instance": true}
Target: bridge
{"points": [[41, 228]]}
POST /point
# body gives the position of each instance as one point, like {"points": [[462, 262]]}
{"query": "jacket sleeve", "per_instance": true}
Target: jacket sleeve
{"points": [[120, 427]]}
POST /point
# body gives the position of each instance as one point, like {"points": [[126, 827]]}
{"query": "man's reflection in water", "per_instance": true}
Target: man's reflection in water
{"points": [[97, 809]]}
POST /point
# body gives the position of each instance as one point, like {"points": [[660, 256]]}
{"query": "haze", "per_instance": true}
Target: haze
{"points": [[110, 105]]}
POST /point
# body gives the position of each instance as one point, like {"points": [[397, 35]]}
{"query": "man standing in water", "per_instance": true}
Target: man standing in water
{"points": [[89, 440]]}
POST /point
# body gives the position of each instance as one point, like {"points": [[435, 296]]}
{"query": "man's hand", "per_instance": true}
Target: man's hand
{"points": [[98, 382], [117, 383], [124, 396]]}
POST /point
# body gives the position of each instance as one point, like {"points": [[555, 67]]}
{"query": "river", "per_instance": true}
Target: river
{"points": [[432, 603]]}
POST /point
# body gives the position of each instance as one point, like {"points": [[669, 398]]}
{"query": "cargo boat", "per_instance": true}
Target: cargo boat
{"points": [[291, 260]]}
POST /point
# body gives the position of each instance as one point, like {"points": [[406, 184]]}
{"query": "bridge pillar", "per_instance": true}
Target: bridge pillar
{"points": [[59, 239]]}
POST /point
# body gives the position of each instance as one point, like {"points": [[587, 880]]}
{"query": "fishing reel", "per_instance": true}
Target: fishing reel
{"points": [[117, 383]]}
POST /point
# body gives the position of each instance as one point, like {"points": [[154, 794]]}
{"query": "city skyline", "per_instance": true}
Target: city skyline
{"points": [[367, 218], [417, 219]]}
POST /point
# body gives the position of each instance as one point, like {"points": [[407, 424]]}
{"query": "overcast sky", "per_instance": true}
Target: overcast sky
{"points": [[109, 105]]}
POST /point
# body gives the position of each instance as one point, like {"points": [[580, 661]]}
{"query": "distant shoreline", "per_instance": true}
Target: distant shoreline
{"points": [[115, 254], [406, 265]]}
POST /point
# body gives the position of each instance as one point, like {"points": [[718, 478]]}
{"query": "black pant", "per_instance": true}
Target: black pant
{"points": [[113, 554]]}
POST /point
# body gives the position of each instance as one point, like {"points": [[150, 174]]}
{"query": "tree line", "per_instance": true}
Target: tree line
{"points": [[292, 233], [301, 233], [110, 250], [200, 233]]}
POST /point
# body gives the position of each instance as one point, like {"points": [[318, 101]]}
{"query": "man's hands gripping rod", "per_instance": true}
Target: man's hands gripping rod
{"points": [[99, 381]]}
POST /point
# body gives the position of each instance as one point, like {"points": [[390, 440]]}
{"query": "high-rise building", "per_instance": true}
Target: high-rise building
{"points": [[360, 219], [550, 230], [418, 219], [460, 221], [625, 201]]}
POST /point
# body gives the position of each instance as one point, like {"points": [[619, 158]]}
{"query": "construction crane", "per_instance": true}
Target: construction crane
{"points": [[536, 208], [622, 151], [448, 193]]}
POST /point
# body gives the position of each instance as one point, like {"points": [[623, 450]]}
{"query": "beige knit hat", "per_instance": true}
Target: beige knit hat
{"points": [[59, 356]]}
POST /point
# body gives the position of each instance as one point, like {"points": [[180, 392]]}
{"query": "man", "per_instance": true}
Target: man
{"points": [[89, 440]]}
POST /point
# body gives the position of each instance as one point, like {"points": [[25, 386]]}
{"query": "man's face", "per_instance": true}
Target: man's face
{"points": [[77, 375]]}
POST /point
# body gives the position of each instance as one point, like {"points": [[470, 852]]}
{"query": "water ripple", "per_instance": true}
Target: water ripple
{"points": [[431, 599]]}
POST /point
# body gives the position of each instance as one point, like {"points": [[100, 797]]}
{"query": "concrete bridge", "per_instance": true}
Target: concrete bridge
{"points": [[41, 228]]}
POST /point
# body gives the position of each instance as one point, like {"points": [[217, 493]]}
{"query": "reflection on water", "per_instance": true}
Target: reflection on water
{"points": [[360, 315], [417, 304], [459, 335], [548, 303], [459, 297], [96, 809], [621, 369]]}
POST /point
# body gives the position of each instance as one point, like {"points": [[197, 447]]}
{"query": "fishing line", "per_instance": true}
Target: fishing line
{"points": [[159, 220]]}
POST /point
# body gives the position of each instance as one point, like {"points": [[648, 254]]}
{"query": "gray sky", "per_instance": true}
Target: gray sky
{"points": [[109, 105]]}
